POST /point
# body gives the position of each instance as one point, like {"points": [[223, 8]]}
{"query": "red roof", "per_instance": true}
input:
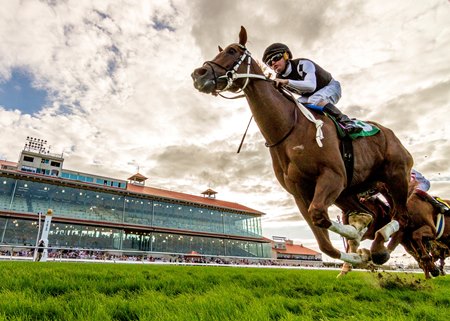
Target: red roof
{"points": [[190, 198], [8, 163], [138, 177], [297, 249], [209, 192]]}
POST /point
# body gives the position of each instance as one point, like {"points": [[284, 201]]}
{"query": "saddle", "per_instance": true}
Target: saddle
{"points": [[445, 205], [438, 203], [346, 146]]}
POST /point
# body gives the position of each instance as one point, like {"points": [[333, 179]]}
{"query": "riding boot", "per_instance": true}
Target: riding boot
{"points": [[440, 207], [347, 124]]}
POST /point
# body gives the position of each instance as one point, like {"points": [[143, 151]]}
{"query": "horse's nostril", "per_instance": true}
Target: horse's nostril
{"points": [[200, 72]]}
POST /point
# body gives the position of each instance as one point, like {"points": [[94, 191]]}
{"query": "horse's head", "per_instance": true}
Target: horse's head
{"points": [[219, 74]]}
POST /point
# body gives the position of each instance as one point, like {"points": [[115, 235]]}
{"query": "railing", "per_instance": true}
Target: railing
{"points": [[67, 254]]}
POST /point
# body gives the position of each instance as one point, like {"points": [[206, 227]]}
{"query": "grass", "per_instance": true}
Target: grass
{"points": [[89, 291]]}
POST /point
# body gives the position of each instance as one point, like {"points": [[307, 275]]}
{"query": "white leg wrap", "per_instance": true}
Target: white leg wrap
{"points": [[352, 258], [389, 229], [347, 231]]}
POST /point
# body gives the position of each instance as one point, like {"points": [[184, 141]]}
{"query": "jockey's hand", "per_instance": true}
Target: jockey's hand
{"points": [[280, 82]]}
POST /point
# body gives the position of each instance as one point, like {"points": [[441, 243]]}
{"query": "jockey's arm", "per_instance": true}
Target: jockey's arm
{"points": [[309, 84]]}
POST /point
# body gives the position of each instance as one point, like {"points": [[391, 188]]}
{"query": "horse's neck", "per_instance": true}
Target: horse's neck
{"points": [[272, 112]]}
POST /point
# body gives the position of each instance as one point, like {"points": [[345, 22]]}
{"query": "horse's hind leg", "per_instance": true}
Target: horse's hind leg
{"points": [[352, 247], [442, 261], [360, 222]]}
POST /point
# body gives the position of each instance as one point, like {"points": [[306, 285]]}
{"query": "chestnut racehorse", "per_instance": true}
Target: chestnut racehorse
{"points": [[315, 175]]}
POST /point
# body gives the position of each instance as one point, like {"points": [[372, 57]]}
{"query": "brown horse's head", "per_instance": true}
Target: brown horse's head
{"points": [[216, 75]]}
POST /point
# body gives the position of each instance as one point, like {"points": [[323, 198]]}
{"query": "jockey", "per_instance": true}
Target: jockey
{"points": [[422, 188], [306, 78]]}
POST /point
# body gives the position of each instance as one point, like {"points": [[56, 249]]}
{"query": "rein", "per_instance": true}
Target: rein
{"points": [[309, 116], [288, 133]]}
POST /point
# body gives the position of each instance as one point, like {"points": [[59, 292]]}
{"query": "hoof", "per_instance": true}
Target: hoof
{"points": [[435, 272], [346, 267], [380, 258], [341, 274], [365, 254], [360, 220]]}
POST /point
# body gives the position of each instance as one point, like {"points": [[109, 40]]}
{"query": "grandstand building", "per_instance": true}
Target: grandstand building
{"points": [[97, 212], [285, 250]]}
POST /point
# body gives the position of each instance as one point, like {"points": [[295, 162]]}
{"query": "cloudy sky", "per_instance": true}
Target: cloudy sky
{"points": [[108, 84]]}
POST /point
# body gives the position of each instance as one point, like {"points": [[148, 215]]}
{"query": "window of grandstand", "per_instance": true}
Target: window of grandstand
{"points": [[28, 159], [28, 169]]}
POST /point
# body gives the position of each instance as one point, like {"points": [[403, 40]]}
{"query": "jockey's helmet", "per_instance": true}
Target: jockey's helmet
{"points": [[275, 49]]}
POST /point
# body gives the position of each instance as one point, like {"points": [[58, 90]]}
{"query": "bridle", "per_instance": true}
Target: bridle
{"points": [[231, 74]]}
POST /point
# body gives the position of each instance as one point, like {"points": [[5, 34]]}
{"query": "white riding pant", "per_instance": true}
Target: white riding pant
{"points": [[331, 93]]}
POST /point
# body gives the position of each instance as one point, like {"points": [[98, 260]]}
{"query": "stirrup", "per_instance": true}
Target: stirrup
{"points": [[443, 209], [441, 205]]}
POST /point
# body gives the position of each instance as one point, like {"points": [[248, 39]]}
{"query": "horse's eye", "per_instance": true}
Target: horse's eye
{"points": [[231, 51]]}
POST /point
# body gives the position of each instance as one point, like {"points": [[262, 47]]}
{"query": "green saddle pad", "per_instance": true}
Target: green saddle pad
{"points": [[367, 129]]}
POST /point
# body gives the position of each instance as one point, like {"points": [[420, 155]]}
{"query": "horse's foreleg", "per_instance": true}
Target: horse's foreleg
{"points": [[323, 239], [329, 186], [397, 186], [321, 235]]}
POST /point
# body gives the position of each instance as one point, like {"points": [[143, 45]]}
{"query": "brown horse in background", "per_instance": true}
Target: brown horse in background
{"points": [[419, 238], [315, 175]]}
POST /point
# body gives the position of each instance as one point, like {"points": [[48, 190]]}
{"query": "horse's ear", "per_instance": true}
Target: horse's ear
{"points": [[243, 36], [220, 48]]}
